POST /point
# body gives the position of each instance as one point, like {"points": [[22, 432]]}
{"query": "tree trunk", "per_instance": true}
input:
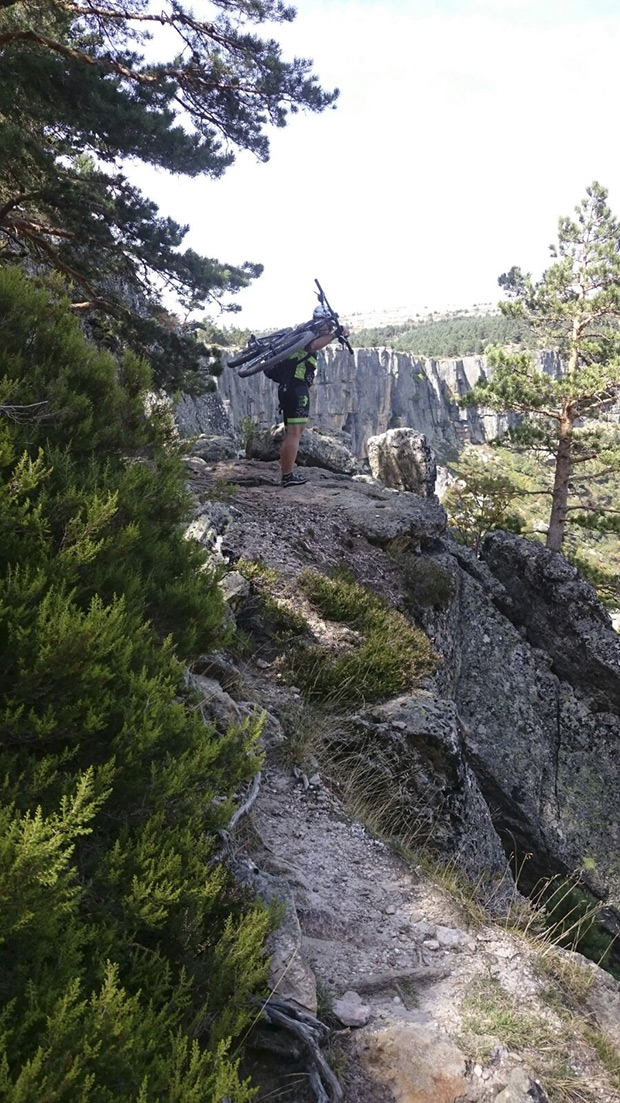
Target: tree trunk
{"points": [[557, 520]]}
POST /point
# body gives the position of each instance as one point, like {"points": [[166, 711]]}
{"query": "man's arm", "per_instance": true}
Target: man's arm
{"points": [[324, 338]]}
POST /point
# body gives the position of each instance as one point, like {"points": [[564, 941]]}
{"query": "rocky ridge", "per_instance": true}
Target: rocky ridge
{"points": [[502, 745]]}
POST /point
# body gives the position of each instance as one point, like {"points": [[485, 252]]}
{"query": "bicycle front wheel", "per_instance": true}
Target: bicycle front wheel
{"points": [[257, 346], [277, 352]]}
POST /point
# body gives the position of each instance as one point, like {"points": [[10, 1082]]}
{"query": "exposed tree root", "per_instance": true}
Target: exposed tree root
{"points": [[310, 1032], [244, 808]]}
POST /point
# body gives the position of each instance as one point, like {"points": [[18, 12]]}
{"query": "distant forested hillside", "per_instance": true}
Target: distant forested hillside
{"points": [[458, 335]]}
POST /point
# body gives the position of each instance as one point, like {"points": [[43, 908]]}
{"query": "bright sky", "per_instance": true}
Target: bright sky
{"points": [[464, 129]]}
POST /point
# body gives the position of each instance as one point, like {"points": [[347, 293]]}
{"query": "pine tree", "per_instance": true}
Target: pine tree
{"points": [[82, 91], [573, 309]]}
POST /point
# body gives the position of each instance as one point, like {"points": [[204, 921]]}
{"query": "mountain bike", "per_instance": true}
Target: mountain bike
{"points": [[263, 352]]}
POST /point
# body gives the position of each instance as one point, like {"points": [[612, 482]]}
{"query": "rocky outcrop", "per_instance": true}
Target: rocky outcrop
{"points": [[317, 448], [523, 714], [212, 447], [561, 613], [345, 509], [538, 706], [418, 739], [402, 460]]}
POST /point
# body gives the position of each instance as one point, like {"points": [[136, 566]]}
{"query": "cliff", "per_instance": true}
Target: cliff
{"points": [[503, 755], [365, 394]]}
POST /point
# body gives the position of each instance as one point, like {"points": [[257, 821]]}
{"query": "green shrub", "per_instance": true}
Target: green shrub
{"points": [[573, 920], [429, 585], [127, 957], [391, 653], [246, 429], [111, 477], [271, 623]]}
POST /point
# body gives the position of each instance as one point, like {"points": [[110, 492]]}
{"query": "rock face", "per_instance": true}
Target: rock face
{"points": [[562, 615], [207, 413], [417, 738], [538, 705], [419, 1066], [372, 391]]}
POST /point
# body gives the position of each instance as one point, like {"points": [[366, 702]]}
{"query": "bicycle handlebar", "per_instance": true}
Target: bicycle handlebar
{"points": [[322, 297]]}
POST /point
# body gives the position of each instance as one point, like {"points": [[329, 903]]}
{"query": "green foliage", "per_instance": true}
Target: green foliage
{"points": [[82, 92], [479, 500], [593, 551], [97, 481], [127, 958], [229, 337], [247, 428], [267, 623], [454, 336], [429, 585], [573, 917], [257, 572], [391, 653], [573, 309]]}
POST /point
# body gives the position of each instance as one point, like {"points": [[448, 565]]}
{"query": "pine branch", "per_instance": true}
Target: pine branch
{"points": [[66, 269], [11, 204], [592, 509], [22, 414], [13, 38], [598, 404], [29, 228]]}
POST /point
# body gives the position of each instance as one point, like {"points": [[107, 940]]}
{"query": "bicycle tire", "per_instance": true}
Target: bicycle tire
{"points": [[241, 357], [264, 360], [251, 351]]}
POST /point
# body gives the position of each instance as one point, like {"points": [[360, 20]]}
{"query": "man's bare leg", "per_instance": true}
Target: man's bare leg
{"points": [[290, 448]]}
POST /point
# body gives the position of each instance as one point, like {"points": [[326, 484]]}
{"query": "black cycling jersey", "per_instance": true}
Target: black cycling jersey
{"points": [[299, 365]]}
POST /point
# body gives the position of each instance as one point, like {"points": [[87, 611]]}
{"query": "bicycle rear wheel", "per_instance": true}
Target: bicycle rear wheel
{"points": [[278, 352], [241, 357]]}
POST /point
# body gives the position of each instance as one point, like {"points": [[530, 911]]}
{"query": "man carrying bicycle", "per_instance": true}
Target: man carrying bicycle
{"points": [[295, 376], [288, 357]]}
